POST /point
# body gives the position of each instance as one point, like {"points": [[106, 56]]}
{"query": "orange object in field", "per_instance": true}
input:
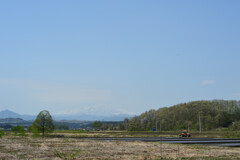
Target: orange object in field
{"points": [[185, 133]]}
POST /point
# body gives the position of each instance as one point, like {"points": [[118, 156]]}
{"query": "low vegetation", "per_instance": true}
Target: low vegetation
{"points": [[1, 133], [18, 130]]}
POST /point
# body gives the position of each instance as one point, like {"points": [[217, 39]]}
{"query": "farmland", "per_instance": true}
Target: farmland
{"points": [[28, 147]]}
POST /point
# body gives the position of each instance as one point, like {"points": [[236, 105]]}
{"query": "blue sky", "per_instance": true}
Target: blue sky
{"points": [[128, 56]]}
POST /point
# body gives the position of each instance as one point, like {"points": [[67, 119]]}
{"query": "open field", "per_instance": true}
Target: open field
{"points": [[13, 147], [194, 134]]}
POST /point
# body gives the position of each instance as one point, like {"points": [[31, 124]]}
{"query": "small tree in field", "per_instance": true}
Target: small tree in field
{"points": [[44, 122]]}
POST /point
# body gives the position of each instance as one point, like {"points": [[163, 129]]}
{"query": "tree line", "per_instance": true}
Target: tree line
{"points": [[209, 114]]}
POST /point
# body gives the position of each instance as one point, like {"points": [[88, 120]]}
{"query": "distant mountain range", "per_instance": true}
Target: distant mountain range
{"points": [[10, 114], [86, 117]]}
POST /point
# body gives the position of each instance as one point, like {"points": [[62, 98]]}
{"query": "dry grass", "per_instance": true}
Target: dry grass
{"points": [[195, 134], [65, 148]]}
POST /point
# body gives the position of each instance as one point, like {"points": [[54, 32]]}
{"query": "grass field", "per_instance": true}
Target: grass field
{"points": [[15, 147], [195, 134]]}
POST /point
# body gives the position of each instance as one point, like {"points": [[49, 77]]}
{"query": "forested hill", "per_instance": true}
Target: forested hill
{"points": [[213, 114]]}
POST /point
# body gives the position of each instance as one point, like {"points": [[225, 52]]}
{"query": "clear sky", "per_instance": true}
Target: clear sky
{"points": [[130, 56]]}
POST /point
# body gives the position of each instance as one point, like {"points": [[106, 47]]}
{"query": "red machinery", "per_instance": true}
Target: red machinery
{"points": [[185, 133]]}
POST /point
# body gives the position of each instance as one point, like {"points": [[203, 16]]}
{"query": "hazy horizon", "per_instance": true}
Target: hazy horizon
{"points": [[126, 57]]}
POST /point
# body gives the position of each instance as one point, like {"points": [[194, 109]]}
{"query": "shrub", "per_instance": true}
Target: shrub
{"points": [[1, 133], [18, 130], [235, 126], [35, 132]]}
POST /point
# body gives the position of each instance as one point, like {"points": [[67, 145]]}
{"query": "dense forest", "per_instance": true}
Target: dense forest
{"points": [[211, 115]]}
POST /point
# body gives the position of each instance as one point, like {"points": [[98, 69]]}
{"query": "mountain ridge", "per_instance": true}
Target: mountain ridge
{"points": [[88, 117], [10, 114]]}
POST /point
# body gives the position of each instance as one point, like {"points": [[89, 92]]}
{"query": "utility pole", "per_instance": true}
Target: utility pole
{"points": [[200, 124], [126, 126], [160, 126], [156, 125]]}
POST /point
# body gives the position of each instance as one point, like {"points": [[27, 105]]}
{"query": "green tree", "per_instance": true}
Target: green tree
{"points": [[97, 124], [44, 122]]}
